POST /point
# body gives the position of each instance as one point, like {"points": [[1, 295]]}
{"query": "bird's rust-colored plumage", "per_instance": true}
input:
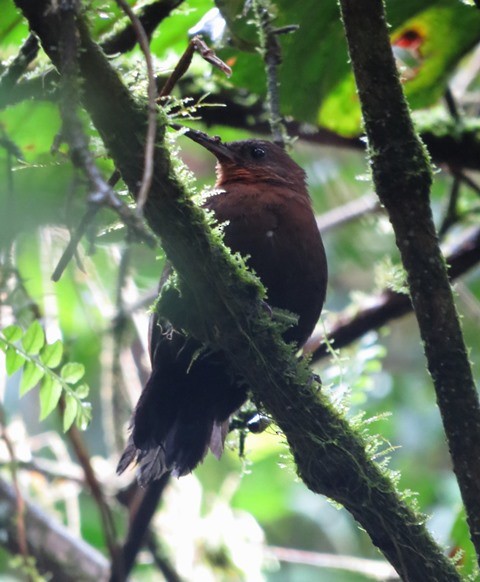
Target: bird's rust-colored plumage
{"points": [[262, 198]]}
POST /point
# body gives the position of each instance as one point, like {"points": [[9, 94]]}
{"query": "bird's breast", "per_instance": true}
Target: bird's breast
{"points": [[277, 231]]}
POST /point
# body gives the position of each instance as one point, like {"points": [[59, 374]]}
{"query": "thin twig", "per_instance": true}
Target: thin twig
{"points": [[101, 193], [75, 238], [123, 269], [196, 44], [150, 16], [110, 200], [180, 69], [27, 53], [348, 212], [152, 107], [51, 469], [9, 208], [272, 56], [452, 105], [108, 522], [20, 504], [469, 182], [372, 569], [209, 55], [119, 409], [451, 215]]}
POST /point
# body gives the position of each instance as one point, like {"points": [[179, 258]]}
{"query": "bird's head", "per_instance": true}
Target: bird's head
{"points": [[251, 160]]}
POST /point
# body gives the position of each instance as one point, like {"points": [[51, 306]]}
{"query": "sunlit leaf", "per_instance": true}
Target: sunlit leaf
{"points": [[72, 372], [13, 361], [82, 390], [12, 333], [51, 354], [32, 374], [84, 415], [34, 339], [13, 29], [71, 407], [50, 392], [20, 122]]}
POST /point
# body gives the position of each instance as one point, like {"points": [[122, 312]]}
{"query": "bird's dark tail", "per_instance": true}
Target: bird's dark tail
{"points": [[183, 411], [180, 460]]}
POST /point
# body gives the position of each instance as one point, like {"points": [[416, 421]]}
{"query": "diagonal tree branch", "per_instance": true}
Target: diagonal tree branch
{"points": [[446, 142], [402, 177], [221, 306], [143, 41], [55, 549], [27, 53]]}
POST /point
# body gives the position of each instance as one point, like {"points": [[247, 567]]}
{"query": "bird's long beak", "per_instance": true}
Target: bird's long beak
{"points": [[213, 144]]}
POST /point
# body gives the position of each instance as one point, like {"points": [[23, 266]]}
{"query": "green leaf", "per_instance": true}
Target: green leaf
{"points": [[460, 539], [73, 372], [13, 361], [71, 407], [51, 354], [31, 376], [50, 392], [82, 390], [84, 415], [13, 29], [34, 339], [12, 333]]}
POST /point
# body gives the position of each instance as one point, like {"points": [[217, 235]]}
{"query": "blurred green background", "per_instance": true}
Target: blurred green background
{"points": [[228, 520]]}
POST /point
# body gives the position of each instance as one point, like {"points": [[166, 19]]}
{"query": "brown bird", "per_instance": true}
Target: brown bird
{"points": [[185, 407]]}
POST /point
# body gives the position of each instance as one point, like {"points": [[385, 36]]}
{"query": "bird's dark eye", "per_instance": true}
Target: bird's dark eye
{"points": [[257, 152]]}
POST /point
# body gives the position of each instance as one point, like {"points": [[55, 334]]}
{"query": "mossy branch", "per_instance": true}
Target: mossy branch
{"points": [[226, 312], [446, 142], [402, 177]]}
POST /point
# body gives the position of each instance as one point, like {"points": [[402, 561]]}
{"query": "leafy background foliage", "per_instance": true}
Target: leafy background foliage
{"points": [[319, 75], [214, 522]]}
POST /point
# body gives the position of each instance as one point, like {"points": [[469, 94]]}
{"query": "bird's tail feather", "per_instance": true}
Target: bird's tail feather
{"points": [[183, 411], [179, 456]]}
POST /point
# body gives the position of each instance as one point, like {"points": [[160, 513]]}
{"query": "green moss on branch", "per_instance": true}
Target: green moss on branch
{"points": [[402, 176]]}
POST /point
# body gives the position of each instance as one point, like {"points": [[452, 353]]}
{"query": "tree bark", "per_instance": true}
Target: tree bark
{"points": [[402, 177]]}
